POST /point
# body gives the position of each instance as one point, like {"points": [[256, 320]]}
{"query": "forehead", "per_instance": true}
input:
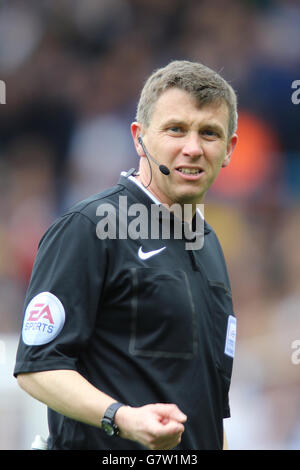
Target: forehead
{"points": [[178, 104]]}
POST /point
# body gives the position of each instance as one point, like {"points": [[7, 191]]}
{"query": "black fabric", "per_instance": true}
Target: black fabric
{"points": [[142, 331]]}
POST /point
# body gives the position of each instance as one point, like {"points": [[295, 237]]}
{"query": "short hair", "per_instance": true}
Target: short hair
{"points": [[206, 85]]}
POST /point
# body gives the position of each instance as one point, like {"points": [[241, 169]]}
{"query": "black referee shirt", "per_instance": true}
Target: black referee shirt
{"points": [[144, 320]]}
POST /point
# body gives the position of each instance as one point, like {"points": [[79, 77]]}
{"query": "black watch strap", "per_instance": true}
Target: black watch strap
{"points": [[107, 421], [111, 410]]}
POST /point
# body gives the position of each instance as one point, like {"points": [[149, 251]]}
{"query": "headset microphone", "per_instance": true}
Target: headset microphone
{"points": [[164, 169]]}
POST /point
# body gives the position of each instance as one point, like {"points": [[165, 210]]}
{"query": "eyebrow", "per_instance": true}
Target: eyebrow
{"points": [[172, 122], [215, 127]]}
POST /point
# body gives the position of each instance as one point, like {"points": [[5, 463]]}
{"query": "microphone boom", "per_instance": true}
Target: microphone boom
{"points": [[163, 168]]}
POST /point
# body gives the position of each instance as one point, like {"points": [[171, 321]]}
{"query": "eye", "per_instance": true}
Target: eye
{"points": [[176, 130], [211, 133]]}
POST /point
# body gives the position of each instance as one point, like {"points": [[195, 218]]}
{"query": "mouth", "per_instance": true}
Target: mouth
{"points": [[191, 173]]}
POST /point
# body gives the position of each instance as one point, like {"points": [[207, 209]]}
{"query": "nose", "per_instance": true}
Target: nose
{"points": [[192, 146]]}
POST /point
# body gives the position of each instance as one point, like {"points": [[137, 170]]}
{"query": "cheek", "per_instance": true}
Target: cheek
{"points": [[169, 147], [215, 156]]}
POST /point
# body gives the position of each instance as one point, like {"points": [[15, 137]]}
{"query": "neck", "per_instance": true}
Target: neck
{"points": [[183, 211]]}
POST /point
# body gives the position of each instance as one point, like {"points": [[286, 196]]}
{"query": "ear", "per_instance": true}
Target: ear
{"points": [[136, 130], [229, 151]]}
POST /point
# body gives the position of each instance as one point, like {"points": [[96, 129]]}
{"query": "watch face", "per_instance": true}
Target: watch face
{"points": [[108, 427]]}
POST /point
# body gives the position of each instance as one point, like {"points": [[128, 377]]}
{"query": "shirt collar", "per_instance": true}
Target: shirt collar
{"points": [[132, 184]]}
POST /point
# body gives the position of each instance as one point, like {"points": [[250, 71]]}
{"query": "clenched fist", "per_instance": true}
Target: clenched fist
{"points": [[156, 426]]}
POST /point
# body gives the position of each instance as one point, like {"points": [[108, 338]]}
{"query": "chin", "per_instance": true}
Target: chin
{"points": [[189, 198]]}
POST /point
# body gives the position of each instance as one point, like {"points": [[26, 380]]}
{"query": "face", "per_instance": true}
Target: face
{"points": [[191, 141]]}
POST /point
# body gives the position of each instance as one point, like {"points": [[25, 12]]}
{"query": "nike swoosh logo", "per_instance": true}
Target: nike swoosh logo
{"points": [[149, 254]]}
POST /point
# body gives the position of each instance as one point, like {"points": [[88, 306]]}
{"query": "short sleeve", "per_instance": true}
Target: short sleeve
{"points": [[62, 300]]}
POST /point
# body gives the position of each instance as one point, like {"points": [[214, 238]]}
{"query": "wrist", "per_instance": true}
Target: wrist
{"points": [[122, 419], [108, 423]]}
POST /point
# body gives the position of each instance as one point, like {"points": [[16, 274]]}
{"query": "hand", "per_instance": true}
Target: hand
{"points": [[157, 427]]}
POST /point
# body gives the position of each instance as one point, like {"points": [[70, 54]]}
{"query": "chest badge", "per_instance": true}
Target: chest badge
{"points": [[230, 336], [146, 255]]}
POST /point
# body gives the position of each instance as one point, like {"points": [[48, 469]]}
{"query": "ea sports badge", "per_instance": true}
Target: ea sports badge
{"points": [[44, 319]]}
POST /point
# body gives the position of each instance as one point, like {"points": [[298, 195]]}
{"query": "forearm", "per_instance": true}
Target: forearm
{"points": [[157, 426], [68, 393]]}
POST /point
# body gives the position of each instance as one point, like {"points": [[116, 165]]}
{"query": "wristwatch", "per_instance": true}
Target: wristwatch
{"points": [[107, 422]]}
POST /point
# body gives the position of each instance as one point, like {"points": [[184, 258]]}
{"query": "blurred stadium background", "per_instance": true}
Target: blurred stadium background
{"points": [[73, 71]]}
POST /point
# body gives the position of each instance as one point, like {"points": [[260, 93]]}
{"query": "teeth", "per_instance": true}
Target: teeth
{"points": [[189, 171]]}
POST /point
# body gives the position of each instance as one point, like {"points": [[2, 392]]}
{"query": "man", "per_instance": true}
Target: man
{"points": [[130, 340]]}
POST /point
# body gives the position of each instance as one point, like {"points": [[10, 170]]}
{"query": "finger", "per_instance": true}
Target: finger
{"points": [[169, 430], [167, 442], [177, 414], [171, 411]]}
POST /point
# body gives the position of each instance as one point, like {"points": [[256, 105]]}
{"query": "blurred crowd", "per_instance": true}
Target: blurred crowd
{"points": [[73, 71]]}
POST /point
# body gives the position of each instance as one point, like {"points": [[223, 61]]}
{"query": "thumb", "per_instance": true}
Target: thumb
{"points": [[170, 411]]}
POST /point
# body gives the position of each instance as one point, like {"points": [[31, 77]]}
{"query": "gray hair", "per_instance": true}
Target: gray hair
{"points": [[206, 85]]}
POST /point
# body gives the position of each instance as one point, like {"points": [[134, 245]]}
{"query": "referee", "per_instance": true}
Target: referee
{"points": [[129, 335]]}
